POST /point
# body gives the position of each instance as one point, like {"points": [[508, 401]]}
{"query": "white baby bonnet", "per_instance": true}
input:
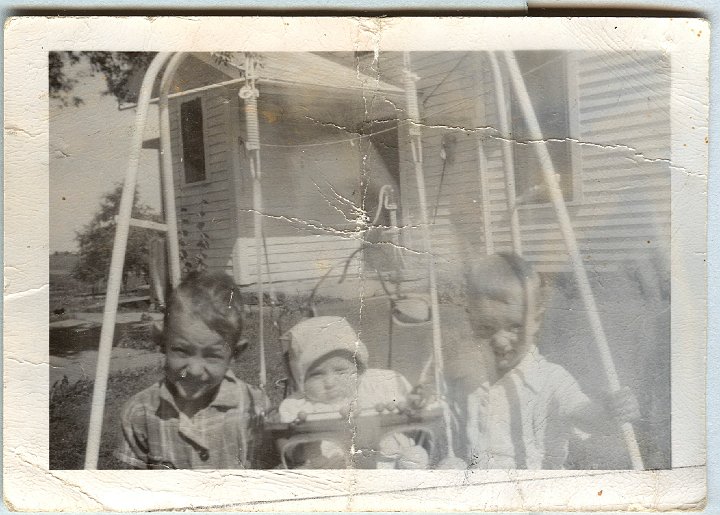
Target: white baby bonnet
{"points": [[315, 337]]}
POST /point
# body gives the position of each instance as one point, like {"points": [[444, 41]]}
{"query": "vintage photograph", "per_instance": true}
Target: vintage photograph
{"points": [[355, 264], [353, 259]]}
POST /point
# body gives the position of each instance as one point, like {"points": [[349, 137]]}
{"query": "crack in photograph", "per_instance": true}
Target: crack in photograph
{"points": [[373, 260]]}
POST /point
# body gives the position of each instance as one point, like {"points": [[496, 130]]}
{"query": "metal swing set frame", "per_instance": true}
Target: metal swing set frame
{"points": [[169, 62]]}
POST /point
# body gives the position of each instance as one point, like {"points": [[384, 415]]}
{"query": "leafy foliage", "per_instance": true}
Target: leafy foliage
{"points": [[60, 83], [96, 240], [194, 256], [118, 68]]}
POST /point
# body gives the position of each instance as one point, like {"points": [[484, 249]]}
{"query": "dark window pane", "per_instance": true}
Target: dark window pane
{"points": [[191, 121], [545, 76]]}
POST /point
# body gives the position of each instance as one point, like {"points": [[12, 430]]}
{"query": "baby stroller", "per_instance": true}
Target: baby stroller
{"points": [[366, 435], [385, 425], [359, 435]]}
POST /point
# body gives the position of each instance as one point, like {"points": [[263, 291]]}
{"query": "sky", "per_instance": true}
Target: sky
{"points": [[89, 148]]}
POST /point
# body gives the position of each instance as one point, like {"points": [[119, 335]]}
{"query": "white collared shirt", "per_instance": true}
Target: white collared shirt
{"points": [[523, 419]]}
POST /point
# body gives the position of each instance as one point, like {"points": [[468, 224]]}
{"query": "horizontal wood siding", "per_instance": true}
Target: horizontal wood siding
{"points": [[312, 171], [318, 180], [296, 264], [447, 91], [206, 210], [622, 207], [624, 120]]}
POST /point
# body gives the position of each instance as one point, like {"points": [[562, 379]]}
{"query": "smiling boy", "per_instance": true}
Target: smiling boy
{"points": [[523, 418], [200, 416]]}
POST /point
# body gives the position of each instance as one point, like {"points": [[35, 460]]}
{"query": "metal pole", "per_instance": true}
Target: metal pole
{"points": [[167, 169], [257, 216], [413, 113], [249, 94], [507, 151], [556, 197], [480, 121], [117, 263], [485, 198]]}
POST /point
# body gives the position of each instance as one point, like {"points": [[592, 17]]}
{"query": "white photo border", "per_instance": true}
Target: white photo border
{"points": [[25, 421]]}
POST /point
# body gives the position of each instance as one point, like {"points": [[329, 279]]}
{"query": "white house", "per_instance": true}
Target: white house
{"points": [[333, 132]]}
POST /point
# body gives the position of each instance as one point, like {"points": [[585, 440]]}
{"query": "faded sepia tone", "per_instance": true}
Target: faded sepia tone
{"points": [[431, 260], [341, 217]]}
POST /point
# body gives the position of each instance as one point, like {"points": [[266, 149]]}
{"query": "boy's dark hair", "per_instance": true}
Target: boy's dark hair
{"points": [[212, 298]]}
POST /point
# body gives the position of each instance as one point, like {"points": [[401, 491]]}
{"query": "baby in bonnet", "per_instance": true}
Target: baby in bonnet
{"points": [[328, 364]]}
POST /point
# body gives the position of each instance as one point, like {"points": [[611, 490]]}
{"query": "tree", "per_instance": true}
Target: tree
{"points": [[119, 69], [96, 240], [122, 70]]}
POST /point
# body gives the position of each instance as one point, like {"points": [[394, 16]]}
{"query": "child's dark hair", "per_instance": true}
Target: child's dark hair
{"points": [[212, 298]]}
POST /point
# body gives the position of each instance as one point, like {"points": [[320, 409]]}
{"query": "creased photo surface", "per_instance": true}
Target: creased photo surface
{"points": [[296, 265]]}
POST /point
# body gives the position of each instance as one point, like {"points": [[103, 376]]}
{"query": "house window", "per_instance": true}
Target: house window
{"points": [[193, 146], [546, 78]]}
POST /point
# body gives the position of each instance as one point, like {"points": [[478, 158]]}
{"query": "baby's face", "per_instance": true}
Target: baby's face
{"points": [[197, 358], [500, 318], [331, 381]]}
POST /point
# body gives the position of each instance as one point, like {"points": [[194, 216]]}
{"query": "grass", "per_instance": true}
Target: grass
{"points": [[637, 329], [70, 403], [70, 415]]}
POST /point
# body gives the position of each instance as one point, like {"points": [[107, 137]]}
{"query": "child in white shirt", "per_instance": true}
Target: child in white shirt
{"points": [[523, 418]]}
